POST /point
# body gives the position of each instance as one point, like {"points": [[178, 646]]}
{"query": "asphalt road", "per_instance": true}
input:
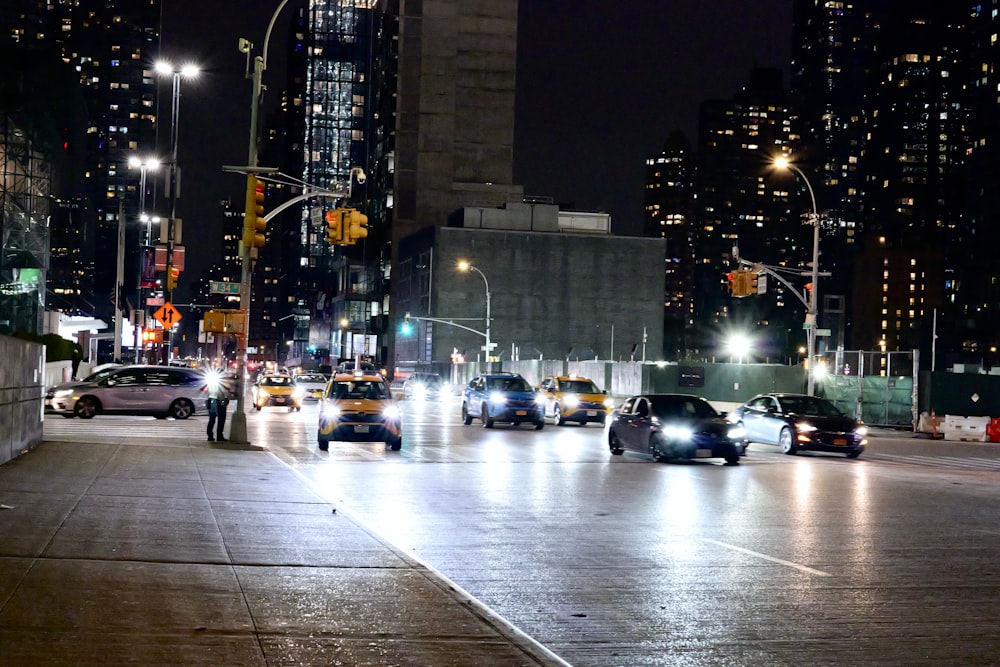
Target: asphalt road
{"points": [[813, 559]]}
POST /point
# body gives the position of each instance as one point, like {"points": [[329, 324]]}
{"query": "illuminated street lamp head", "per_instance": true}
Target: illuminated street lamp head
{"points": [[781, 162], [149, 163], [464, 265], [344, 322], [188, 70]]}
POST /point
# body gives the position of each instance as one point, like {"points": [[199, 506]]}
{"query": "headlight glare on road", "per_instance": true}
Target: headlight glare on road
{"points": [[498, 398], [678, 432], [391, 412]]}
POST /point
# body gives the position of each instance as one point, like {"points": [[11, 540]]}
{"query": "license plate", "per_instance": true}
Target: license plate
{"points": [[703, 453], [521, 413], [361, 428], [839, 441], [591, 413], [279, 400]]}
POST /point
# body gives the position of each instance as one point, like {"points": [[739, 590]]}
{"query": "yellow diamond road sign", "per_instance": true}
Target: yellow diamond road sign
{"points": [[167, 315]]}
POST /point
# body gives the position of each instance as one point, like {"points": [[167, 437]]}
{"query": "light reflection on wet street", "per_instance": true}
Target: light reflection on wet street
{"points": [[812, 559]]}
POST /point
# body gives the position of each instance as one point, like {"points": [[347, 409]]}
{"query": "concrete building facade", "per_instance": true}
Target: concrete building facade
{"points": [[555, 293]]}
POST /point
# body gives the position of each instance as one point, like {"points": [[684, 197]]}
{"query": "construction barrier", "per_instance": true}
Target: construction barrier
{"points": [[969, 429]]}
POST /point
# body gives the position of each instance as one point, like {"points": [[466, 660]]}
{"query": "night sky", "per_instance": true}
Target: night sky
{"points": [[600, 85]]}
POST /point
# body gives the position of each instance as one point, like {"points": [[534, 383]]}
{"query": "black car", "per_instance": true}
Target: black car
{"points": [[796, 422], [673, 426]]}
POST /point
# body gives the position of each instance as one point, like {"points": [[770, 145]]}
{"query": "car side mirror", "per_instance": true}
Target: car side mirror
{"points": [[605, 392], [772, 410]]}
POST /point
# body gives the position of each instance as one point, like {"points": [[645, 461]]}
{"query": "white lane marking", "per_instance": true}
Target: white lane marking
{"points": [[809, 570]]}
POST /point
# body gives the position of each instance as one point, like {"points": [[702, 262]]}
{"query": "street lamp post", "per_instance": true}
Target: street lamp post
{"points": [[465, 266], [143, 165], [812, 315], [189, 71]]}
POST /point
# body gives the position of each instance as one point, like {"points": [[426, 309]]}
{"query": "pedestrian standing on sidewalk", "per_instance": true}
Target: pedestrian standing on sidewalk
{"points": [[217, 404]]}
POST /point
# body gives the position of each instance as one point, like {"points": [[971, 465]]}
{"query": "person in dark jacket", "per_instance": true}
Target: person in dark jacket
{"points": [[219, 393]]}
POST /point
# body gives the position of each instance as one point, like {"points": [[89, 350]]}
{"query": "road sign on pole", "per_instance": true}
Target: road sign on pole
{"points": [[218, 287], [167, 315]]}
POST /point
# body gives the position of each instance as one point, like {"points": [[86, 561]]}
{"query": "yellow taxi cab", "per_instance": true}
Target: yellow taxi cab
{"points": [[276, 389], [359, 406], [571, 398]]}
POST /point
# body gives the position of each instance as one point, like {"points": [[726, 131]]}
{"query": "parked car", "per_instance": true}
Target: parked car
{"points": [[421, 386], [571, 398], [274, 389], [796, 422], [674, 426], [502, 397], [359, 406], [162, 391], [310, 386]]}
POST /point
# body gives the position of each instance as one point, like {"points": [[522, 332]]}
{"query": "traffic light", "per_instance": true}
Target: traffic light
{"points": [[731, 284], [335, 226], [752, 282], [355, 226], [254, 223], [407, 328], [173, 273]]}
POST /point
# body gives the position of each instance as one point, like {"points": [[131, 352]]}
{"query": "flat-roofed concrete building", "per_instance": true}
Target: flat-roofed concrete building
{"points": [[560, 286]]}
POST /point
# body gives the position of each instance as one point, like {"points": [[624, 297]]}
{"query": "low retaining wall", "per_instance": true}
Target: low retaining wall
{"points": [[22, 396]]}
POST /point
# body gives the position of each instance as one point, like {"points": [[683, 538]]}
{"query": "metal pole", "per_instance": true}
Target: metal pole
{"points": [[812, 315], [142, 258], [488, 297], [120, 280]]}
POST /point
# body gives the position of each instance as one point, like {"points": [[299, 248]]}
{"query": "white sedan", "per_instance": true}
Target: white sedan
{"points": [[310, 386]]}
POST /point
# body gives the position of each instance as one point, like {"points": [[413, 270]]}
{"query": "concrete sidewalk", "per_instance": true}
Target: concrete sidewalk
{"points": [[156, 554]]}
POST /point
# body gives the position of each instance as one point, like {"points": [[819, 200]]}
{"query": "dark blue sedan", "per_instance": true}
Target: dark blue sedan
{"points": [[674, 426]]}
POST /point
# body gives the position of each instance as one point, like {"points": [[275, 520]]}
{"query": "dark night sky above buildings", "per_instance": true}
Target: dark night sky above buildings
{"points": [[599, 88]]}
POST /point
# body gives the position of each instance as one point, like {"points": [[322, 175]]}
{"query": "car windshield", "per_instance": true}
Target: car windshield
{"points": [[359, 389], [277, 381], [809, 405], [682, 407], [507, 384], [101, 374], [311, 378], [579, 387]]}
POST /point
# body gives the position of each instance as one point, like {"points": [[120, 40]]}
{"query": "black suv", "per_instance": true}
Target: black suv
{"points": [[502, 397]]}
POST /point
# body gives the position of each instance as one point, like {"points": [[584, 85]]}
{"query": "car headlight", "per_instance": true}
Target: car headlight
{"points": [[678, 432], [331, 411], [62, 392], [861, 431], [805, 427], [733, 417], [497, 397], [609, 402], [539, 400], [571, 401], [737, 433], [299, 392], [391, 412]]}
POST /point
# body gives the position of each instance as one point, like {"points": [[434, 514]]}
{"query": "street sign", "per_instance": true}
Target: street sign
{"points": [[167, 315], [224, 287], [824, 332]]}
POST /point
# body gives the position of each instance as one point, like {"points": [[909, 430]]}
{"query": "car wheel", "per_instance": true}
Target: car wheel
{"points": [[785, 442], [855, 454], [86, 408], [539, 425], [466, 417], [614, 444], [655, 451], [396, 445], [732, 460], [181, 409], [484, 414], [557, 419], [324, 445]]}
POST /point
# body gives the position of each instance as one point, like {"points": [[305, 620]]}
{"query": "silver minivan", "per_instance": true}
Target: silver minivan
{"points": [[161, 391]]}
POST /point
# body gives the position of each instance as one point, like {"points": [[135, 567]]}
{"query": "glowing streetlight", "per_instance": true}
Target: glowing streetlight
{"points": [[466, 266], [782, 162], [739, 346]]}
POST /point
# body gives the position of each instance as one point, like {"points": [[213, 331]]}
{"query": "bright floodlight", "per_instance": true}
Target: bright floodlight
{"points": [[738, 345], [165, 67]]}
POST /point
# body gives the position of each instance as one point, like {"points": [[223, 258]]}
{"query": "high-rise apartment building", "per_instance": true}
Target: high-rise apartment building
{"points": [[669, 214]]}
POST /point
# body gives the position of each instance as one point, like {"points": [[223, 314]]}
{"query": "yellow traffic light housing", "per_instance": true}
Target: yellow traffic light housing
{"points": [[173, 273], [254, 224], [355, 226], [335, 226]]}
